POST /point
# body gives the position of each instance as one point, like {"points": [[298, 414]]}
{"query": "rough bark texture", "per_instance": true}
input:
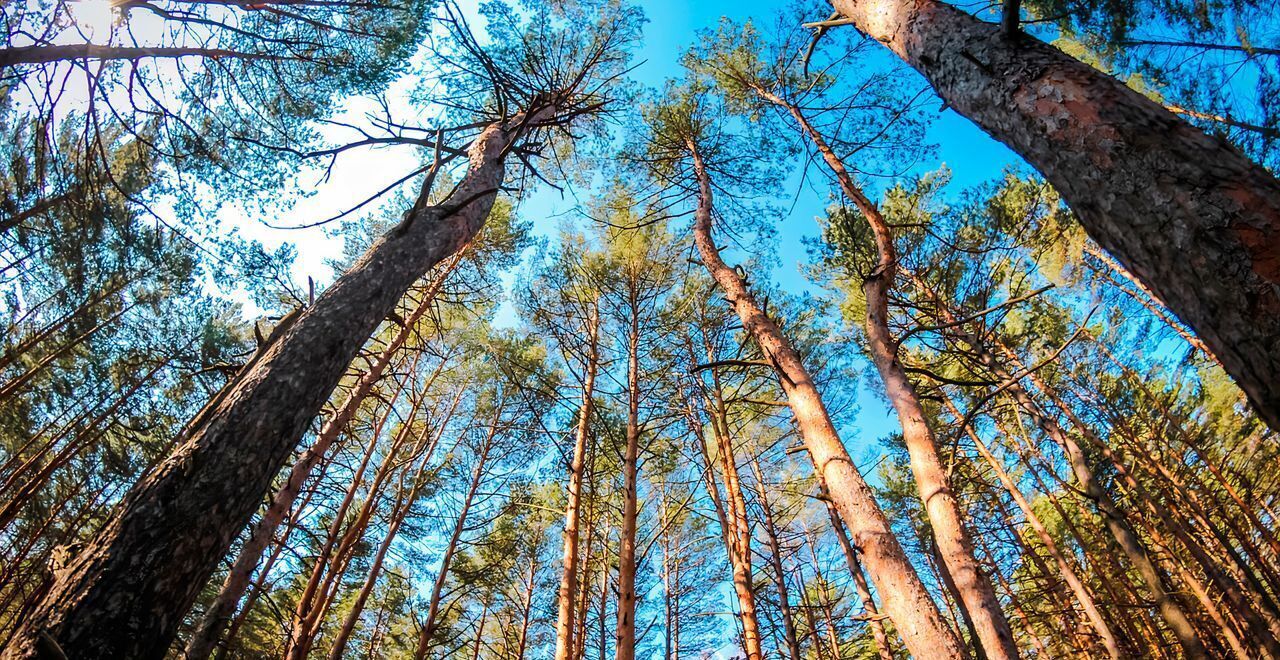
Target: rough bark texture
{"points": [[220, 610], [124, 595], [572, 513], [1185, 212], [906, 601]]}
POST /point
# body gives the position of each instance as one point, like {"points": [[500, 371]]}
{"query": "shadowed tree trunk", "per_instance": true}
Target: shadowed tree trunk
{"points": [[125, 593], [1194, 219], [220, 610], [906, 601]]}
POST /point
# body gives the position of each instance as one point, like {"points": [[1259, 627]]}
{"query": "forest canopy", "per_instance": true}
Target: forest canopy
{"points": [[569, 329]]}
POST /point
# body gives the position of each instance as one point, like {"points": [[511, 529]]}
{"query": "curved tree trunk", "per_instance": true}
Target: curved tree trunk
{"points": [[126, 592], [1188, 214], [906, 601], [977, 598]]}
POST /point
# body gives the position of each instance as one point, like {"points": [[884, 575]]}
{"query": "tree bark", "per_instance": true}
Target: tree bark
{"points": [[126, 592], [775, 558], [955, 548], [220, 610], [739, 554], [569, 575], [625, 637], [906, 601], [1185, 212], [739, 530]]}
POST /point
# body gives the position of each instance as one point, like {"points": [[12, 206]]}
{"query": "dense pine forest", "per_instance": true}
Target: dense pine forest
{"points": [[585, 329]]}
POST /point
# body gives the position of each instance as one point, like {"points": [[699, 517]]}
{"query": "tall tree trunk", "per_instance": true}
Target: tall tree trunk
{"points": [[403, 503], [1065, 569], [569, 574], [126, 592], [874, 619], [1116, 521], [584, 597], [775, 558], [955, 548], [220, 610], [670, 588], [625, 637], [820, 650], [739, 525], [432, 621], [730, 509], [906, 601], [740, 562], [1148, 186]]}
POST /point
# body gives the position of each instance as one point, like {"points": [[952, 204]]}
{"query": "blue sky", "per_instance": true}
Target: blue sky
{"points": [[672, 26]]}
